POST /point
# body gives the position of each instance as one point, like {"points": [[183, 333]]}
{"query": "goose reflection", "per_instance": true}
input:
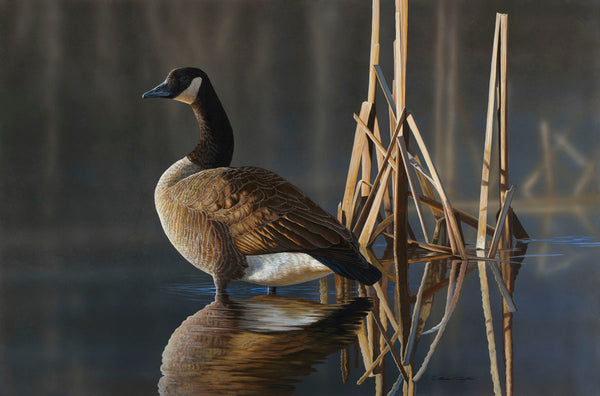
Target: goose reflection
{"points": [[254, 346]]}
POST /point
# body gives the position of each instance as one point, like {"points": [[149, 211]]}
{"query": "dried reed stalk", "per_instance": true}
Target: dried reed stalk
{"points": [[400, 48], [323, 291], [428, 258], [500, 224], [390, 344], [483, 205], [505, 199], [487, 153], [376, 336], [507, 322], [396, 160], [426, 302], [402, 293], [345, 364], [411, 183], [381, 345], [500, 227], [368, 203], [400, 187], [389, 97], [379, 385], [506, 240], [381, 227], [378, 360], [364, 291], [369, 225], [449, 297], [362, 335], [455, 239], [416, 313], [388, 311], [386, 316], [364, 345], [374, 57], [421, 171], [366, 160], [381, 151], [441, 284], [452, 299], [431, 246], [487, 312], [464, 217], [355, 160], [355, 199], [387, 203]]}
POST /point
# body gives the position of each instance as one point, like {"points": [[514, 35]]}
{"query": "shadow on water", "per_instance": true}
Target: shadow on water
{"points": [[255, 345]]}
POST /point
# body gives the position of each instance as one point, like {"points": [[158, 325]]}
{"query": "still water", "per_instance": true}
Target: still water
{"points": [[95, 301]]}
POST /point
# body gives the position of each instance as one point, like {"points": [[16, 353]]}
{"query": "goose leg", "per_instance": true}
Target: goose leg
{"points": [[220, 284], [227, 262]]}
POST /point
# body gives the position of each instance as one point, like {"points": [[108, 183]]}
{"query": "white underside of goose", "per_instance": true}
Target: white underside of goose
{"points": [[283, 269]]}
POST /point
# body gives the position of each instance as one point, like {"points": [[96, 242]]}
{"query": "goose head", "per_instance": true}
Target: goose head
{"points": [[192, 86], [184, 85]]}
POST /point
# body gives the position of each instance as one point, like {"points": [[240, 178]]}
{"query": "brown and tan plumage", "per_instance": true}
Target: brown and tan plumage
{"points": [[255, 346], [244, 223]]}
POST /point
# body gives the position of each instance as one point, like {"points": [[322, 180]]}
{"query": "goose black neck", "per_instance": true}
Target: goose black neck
{"points": [[215, 146]]}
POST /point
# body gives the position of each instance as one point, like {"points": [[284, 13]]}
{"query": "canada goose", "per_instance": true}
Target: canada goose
{"points": [[255, 346], [244, 223]]}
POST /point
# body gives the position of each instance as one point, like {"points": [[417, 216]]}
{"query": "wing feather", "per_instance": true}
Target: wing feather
{"points": [[266, 213]]}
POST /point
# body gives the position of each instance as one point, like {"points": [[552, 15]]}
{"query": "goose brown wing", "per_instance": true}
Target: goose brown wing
{"points": [[265, 213]]}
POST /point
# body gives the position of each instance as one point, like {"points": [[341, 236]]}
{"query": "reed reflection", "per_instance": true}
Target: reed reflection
{"points": [[255, 346]]}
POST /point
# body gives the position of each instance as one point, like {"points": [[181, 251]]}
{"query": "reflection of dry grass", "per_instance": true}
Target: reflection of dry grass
{"points": [[378, 207]]}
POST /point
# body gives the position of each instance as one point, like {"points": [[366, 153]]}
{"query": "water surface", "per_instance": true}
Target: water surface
{"points": [[91, 291]]}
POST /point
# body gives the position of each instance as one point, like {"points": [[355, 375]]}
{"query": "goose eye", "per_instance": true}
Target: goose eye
{"points": [[185, 80]]}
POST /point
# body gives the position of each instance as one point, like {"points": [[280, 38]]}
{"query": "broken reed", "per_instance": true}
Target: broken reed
{"points": [[405, 170]]}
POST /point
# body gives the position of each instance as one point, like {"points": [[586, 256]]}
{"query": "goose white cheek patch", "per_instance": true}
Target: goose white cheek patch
{"points": [[189, 94]]}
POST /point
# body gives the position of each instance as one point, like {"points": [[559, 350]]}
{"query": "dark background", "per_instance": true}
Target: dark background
{"points": [[90, 289]]}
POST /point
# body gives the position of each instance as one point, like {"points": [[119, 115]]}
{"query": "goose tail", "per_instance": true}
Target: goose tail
{"points": [[358, 268]]}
